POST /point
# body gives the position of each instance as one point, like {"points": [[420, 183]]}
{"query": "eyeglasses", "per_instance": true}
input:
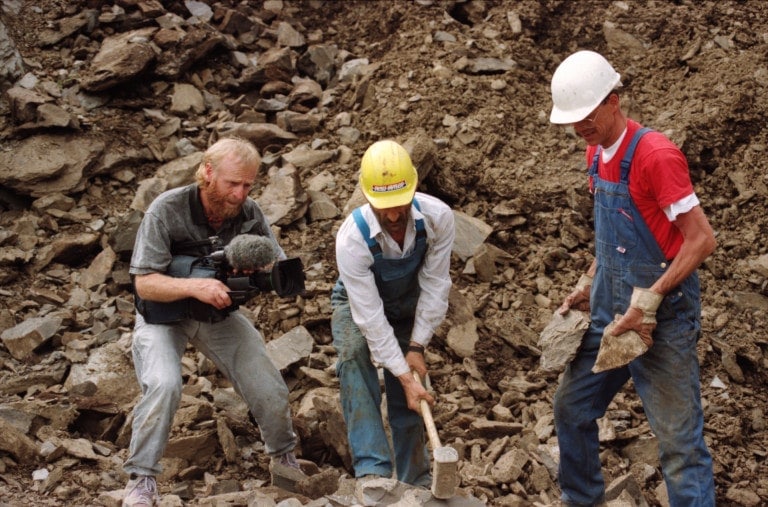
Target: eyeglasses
{"points": [[593, 115]]}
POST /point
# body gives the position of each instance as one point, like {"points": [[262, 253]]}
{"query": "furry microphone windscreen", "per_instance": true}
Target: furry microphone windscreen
{"points": [[250, 252]]}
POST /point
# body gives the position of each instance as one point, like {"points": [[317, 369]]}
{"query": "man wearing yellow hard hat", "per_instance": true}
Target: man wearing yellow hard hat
{"points": [[393, 256]]}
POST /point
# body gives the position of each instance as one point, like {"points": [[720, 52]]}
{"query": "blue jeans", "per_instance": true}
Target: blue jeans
{"points": [[667, 380], [238, 351], [361, 405]]}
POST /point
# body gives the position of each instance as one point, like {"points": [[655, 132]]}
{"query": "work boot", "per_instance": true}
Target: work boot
{"points": [[285, 471], [142, 492]]}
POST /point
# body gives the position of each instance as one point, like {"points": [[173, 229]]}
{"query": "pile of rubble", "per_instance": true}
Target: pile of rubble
{"points": [[106, 106]]}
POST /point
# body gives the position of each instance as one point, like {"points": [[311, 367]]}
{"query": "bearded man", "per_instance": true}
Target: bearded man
{"points": [[181, 221]]}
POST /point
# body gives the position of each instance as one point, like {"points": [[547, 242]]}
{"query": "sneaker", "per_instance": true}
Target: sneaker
{"points": [[142, 492], [285, 471]]}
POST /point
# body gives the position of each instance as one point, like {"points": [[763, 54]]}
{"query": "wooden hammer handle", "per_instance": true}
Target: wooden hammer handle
{"points": [[429, 422]]}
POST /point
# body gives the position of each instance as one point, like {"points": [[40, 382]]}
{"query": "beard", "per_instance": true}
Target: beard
{"points": [[221, 208], [396, 227]]}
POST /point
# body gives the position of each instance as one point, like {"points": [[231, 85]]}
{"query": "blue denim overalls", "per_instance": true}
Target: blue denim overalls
{"points": [[666, 377], [398, 287]]}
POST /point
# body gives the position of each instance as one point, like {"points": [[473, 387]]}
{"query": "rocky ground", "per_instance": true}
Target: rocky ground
{"points": [[107, 103]]}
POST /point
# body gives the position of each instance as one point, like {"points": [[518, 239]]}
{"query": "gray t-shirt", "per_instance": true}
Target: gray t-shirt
{"points": [[176, 217]]}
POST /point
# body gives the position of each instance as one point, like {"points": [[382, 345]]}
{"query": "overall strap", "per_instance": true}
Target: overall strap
{"points": [[593, 165], [421, 230], [362, 225], [627, 160]]}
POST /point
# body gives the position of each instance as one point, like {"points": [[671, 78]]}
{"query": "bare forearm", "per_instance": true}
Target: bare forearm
{"points": [[698, 243], [686, 262], [163, 288]]}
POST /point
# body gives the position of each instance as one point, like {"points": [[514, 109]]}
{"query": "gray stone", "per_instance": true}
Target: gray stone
{"points": [[290, 348], [120, 58], [48, 164], [25, 337], [561, 338], [187, 100], [470, 234], [283, 200]]}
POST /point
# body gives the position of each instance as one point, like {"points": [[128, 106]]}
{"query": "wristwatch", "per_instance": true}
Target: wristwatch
{"points": [[415, 347]]}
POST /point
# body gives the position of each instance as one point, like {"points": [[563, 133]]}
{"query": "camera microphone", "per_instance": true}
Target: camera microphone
{"points": [[248, 252]]}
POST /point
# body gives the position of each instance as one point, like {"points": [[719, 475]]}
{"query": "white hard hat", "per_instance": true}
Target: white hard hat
{"points": [[579, 84]]}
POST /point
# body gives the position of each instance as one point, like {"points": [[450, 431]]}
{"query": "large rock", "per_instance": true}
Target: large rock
{"points": [[121, 57], [49, 163]]}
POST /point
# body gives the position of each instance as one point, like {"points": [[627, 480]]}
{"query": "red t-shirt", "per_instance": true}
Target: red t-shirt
{"points": [[658, 177]]}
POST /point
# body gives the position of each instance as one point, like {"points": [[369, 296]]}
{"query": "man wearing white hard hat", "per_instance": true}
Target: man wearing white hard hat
{"points": [[393, 256], [651, 235]]}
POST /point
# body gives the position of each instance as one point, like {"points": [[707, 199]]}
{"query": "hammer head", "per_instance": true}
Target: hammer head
{"points": [[445, 476]]}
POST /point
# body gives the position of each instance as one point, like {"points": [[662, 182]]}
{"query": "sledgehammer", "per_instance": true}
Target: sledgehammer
{"points": [[446, 459]]}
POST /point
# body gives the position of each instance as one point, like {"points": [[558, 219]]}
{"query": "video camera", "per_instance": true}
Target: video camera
{"points": [[286, 278], [251, 252]]}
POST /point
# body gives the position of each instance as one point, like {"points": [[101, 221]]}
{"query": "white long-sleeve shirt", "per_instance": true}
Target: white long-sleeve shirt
{"points": [[354, 261]]}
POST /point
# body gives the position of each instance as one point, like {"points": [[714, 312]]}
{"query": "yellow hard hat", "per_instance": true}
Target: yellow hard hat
{"points": [[387, 176]]}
